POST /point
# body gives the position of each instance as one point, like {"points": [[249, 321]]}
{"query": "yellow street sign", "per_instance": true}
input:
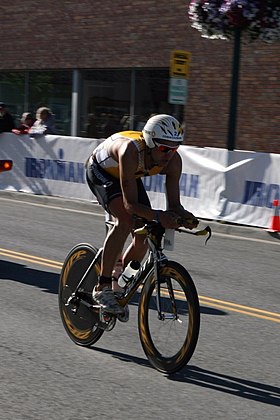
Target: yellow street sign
{"points": [[179, 65]]}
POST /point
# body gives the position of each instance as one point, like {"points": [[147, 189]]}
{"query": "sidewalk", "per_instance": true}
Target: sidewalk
{"points": [[94, 207]]}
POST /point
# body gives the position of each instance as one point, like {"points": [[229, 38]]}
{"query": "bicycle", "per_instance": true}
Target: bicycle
{"points": [[168, 311]]}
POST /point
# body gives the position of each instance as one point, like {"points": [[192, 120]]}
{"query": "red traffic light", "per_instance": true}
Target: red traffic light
{"points": [[6, 165]]}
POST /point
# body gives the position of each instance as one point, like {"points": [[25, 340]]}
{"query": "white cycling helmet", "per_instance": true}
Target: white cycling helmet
{"points": [[162, 127]]}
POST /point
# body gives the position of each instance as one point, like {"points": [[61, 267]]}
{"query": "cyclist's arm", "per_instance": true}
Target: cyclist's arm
{"points": [[128, 162], [173, 173]]}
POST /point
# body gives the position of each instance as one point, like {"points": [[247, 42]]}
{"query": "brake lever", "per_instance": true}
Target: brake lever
{"points": [[206, 231]]}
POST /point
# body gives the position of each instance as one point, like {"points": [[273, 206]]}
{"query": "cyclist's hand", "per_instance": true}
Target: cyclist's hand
{"points": [[189, 221], [169, 219]]}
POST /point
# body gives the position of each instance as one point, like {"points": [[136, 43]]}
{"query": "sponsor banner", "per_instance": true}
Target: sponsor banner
{"points": [[49, 165], [232, 186], [217, 184]]}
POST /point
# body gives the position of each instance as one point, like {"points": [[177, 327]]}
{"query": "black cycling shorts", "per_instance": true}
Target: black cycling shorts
{"points": [[105, 187]]}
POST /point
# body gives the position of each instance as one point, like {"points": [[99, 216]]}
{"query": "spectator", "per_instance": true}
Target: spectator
{"points": [[44, 123], [26, 123], [6, 120]]}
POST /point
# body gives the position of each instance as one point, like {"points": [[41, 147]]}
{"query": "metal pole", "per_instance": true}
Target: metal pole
{"points": [[26, 91], [177, 111], [234, 90], [75, 103], [132, 100]]}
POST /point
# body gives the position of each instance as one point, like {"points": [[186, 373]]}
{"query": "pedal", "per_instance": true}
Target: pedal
{"points": [[105, 317], [124, 317], [107, 321]]}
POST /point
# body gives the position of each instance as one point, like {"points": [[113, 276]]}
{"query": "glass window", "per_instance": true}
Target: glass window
{"points": [[105, 102], [151, 95], [12, 92], [109, 100], [54, 90], [27, 91]]}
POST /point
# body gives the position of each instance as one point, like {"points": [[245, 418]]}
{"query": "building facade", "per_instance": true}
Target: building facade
{"points": [[103, 66]]}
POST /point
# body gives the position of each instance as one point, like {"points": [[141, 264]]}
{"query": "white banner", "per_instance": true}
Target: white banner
{"points": [[49, 165], [217, 184], [233, 186]]}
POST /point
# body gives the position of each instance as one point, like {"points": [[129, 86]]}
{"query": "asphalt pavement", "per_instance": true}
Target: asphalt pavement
{"points": [[218, 227], [233, 374]]}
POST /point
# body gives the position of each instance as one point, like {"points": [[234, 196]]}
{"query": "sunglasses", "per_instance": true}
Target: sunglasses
{"points": [[166, 149]]}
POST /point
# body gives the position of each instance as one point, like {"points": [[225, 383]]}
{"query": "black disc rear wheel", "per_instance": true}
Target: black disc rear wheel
{"points": [[80, 321]]}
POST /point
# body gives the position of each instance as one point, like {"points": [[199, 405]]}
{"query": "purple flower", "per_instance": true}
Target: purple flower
{"points": [[241, 12], [258, 19]]}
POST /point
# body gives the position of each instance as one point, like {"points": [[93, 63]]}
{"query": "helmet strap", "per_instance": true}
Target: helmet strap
{"points": [[150, 161], [154, 143]]}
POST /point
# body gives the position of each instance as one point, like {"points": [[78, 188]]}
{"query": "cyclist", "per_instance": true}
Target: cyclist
{"points": [[114, 172]]}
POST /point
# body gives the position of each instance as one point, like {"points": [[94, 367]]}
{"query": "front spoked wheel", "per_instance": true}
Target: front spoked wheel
{"points": [[79, 320], [169, 340]]}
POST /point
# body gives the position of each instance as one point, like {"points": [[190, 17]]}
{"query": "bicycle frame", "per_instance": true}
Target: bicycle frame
{"points": [[74, 295], [152, 263], [155, 259], [167, 292]]}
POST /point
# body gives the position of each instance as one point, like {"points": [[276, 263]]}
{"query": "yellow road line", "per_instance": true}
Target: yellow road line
{"points": [[252, 313], [20, 254], [216, 303], [35, 260], [30, 258], [228, 305], [235, 305]]}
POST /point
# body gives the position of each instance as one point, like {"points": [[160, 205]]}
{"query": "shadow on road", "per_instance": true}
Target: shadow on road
{"points": [[48, 282], [123, 356], [232, 385], [275, 235], [243, 388], [239, 387]]}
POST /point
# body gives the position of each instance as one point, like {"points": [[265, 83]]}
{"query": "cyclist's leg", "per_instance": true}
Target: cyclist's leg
{"points": [[138, 248], [105, 188], [117, 236], [108, 191], [118, 268], [113, 246], [112, 201]]}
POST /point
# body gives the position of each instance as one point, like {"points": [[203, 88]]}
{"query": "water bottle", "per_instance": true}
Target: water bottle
{"points": [[168, 242], [129, 273]]}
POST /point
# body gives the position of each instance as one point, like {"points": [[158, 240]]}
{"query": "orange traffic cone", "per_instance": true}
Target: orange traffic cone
{"points": [[275, 221]]}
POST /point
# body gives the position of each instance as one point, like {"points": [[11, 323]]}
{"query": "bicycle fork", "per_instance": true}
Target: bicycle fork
{"points": [[158, 261]]}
